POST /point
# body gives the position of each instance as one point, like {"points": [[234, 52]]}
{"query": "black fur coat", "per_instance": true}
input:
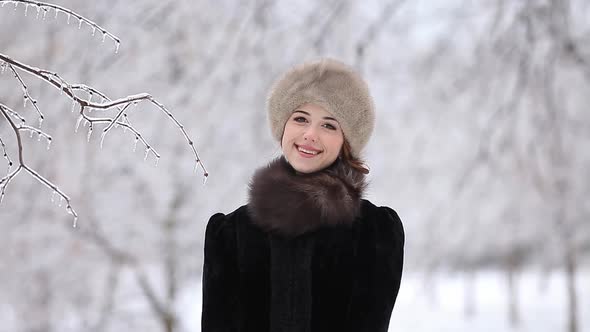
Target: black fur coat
{"points": [[306, 254]]}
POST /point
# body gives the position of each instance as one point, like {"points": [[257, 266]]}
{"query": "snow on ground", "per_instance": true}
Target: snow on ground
{"points": [[542, 304]]}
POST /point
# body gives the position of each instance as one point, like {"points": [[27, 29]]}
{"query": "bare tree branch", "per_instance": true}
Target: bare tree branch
{"points": [[6, 180], [5, 155], [111, 285], [47, 7], [85, 104], [26, 95], [166, 316]]}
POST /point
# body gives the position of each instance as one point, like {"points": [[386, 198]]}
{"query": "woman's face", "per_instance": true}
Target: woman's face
{"points": [[312, 139]]}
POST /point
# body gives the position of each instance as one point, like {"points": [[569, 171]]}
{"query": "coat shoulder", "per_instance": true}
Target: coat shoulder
{"points": [[223, 226], [384, 220], [219, 219]]}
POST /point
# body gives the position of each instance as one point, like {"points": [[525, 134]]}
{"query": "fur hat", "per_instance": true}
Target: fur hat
{"points": [[332, 85]]}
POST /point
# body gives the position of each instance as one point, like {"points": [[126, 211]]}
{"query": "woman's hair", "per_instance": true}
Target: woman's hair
{"points": [[354, 162]]}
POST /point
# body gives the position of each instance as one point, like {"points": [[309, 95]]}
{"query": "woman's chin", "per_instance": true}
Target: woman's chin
{"points": [[304, 165], [304, 168]]}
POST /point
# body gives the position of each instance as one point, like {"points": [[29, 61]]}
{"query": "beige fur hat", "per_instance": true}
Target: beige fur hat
{"points": [[332, 85]]}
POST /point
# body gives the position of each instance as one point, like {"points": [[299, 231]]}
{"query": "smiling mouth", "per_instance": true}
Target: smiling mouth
{"points": [[307, 152]]}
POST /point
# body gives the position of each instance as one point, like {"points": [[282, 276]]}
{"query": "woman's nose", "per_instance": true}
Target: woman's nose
{"points": [[310, 134]]}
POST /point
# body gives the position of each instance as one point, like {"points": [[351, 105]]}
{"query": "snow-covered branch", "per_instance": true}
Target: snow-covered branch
{"points": [[22, 166], [4, 154], [26, 95], [82, 100], [46, 8]]}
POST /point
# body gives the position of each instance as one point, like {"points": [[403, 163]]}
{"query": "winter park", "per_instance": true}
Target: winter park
{"points": [[125, 126]]}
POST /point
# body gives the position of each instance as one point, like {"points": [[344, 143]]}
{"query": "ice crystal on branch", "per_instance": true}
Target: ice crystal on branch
{"points": [[48, 7], [82, 100]]}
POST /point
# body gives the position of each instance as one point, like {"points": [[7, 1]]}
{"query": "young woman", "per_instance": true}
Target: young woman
{"points": [[307, 253]]}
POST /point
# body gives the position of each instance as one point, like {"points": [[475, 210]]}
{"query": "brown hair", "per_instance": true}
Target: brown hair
{"points": [[354, 162]]}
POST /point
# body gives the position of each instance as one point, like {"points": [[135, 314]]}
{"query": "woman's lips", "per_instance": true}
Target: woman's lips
{"points": [[308, 152]]}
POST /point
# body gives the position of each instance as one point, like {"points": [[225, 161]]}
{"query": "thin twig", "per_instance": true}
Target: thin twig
{"points": [[26, 95], [71, 90], [47, 7], [5, 154], [61, 84], [21, 165]]}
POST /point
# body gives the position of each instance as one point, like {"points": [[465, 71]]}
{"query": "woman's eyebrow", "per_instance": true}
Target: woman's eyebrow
{"points": [[300, 111], [325, 117]]}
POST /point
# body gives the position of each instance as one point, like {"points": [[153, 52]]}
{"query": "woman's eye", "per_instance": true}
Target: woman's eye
{"points": [[299, 119], [329, 126]]}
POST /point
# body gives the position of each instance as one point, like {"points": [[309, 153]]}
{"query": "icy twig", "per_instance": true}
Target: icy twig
{"points": [[21, 164], [60, 83], [85, 104], [70, 90], [5, 154], [47, 7], [55, 189], [38, 131], [122, 123], [26, 95], [5, 112], [198, 161], [16, 115], [6, 180], [116, 118]]}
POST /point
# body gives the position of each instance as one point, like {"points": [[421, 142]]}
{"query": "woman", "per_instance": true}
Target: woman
{"points": [[307, 253]]}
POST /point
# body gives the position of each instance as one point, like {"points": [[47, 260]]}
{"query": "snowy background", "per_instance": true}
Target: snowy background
{"points": [[482, 145]]}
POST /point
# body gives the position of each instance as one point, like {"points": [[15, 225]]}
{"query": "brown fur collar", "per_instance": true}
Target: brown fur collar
{"points": [[291, 204]]}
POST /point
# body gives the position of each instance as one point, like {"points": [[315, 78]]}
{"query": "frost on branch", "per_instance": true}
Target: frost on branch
{"points": [[46, 8], [81, 97]]}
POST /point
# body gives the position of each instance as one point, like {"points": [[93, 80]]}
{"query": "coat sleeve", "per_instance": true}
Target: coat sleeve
{"points": [[220, 284], [381, 273]]}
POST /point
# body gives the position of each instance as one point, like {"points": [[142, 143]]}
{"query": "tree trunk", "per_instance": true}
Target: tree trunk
{"points": [[469, 295], [169, 323], [430, 288], [570, 275], [513, 299]]}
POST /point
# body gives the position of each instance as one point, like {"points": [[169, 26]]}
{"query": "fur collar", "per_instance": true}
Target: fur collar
{"points": [[285, 202]]}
